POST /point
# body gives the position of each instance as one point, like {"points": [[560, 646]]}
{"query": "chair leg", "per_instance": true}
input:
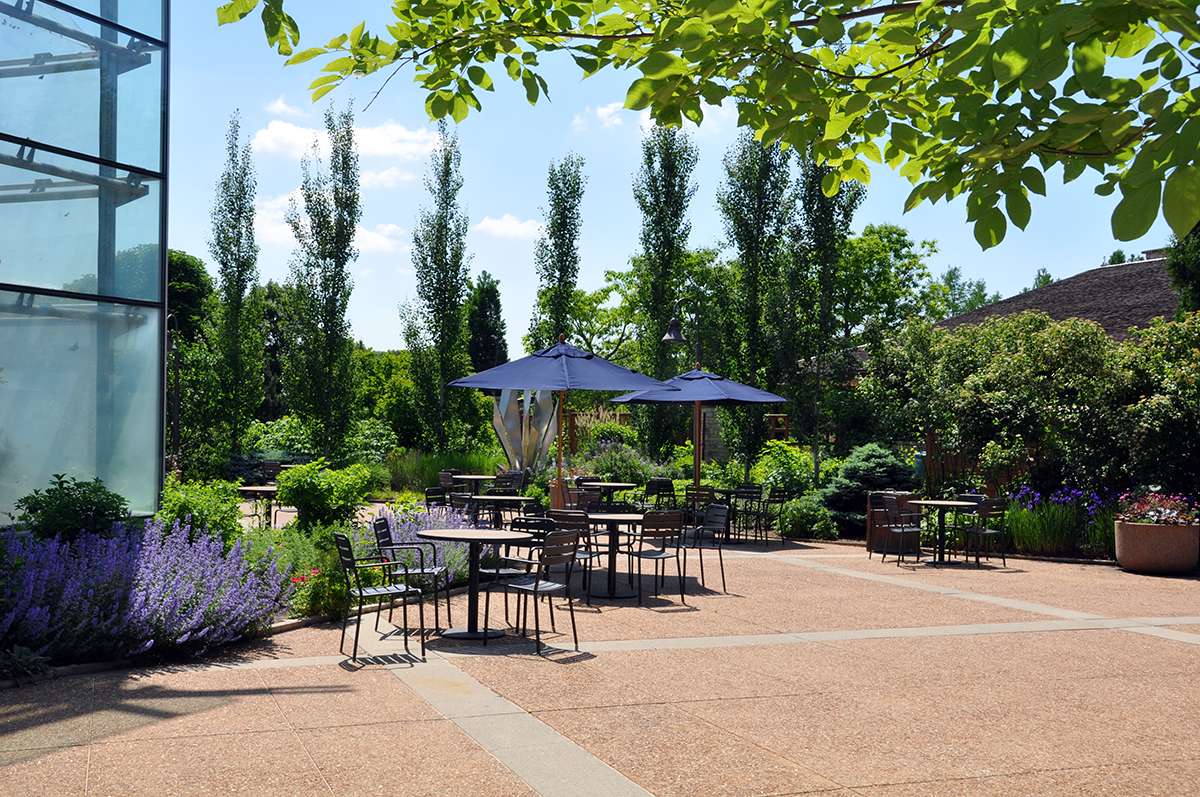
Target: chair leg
{"points": [[679, 573], [639, 580], [404, 613], [571, 610], [550, 609], [449, 620], [357, 629], [721, 561], [421, 620], [537, 625], [345, 622], [487, 605], [437, 623]]}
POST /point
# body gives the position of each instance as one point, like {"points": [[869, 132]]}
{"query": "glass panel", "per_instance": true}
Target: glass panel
{"points": [[72, 225], [145, 16], [80, 86], [79, 394]]}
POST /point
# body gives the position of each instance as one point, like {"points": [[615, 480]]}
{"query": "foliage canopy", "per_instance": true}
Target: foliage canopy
{"points": [[974, 97]]}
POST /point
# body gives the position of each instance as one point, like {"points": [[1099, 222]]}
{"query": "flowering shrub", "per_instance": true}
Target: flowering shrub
{"points": [[1067, 521], [149, 590], [1154, 507]]}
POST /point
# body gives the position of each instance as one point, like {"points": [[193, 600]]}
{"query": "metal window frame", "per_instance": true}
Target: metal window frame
{"points": [[19, 10]]}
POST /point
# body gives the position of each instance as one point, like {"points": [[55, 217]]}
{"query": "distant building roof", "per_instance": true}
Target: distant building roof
{"points": [[1116, 297]]}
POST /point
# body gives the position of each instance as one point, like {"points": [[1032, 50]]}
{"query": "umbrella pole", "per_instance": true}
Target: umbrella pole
{"points": [[697, 442], [562, 396]]}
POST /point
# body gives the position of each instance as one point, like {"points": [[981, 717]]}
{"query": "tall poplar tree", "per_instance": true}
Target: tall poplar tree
{"points": [[433, 327], [756, 206], [318, 369], [239, 320], [485, 324], [818, 244], [557, 254], [663, 189]]}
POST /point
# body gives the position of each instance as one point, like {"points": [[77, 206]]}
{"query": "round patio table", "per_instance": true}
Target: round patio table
{"points": [[257, 493], [942, 506], [614, 521], [608, 488], [473, 480], [475, 539]]}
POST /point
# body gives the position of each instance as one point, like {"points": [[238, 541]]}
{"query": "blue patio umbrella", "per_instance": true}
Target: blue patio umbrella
{"points": [[700, 388], [562, 368]]}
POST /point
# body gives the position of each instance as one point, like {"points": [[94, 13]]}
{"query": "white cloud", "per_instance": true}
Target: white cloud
{"points": [[509, 226], [394, 140], [279, 107], [390, 140], [269, 224], [382, 238], [610, 115], [284, 138], [390, 177]]}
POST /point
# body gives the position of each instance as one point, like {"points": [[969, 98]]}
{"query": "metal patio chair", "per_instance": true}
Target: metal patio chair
{"points": [[422, 568], [389, 591], [558, 549]]}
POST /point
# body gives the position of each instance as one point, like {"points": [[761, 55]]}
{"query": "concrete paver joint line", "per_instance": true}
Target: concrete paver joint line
{"points": [[548, 762]]}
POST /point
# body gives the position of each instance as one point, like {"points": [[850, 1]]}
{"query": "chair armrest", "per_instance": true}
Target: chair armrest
{"points": [[409, 546], [360, 565]]}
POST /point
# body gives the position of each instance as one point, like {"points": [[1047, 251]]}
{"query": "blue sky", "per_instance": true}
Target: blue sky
{"points": [[505, 153]]}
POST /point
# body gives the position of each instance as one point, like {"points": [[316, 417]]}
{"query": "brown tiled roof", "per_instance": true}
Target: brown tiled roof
{"points": [[1116, 297]]}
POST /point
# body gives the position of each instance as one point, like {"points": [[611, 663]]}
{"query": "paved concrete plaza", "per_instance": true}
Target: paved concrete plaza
{"points": [[821, 672]]}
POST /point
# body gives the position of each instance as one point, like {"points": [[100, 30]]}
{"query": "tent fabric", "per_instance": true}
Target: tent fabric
{"points": [[561, 367], [704, 387]]}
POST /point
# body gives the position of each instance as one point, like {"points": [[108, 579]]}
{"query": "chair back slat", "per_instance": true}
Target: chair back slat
{"points": [[383, 532], [538, 527], [716, 518], [662, 523], [568, 519], [559, 548]]}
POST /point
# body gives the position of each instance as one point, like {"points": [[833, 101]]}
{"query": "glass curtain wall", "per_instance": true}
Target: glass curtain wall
{"points": [[82, 244]]}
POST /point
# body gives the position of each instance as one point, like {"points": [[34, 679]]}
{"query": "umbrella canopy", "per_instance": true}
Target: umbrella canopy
{"points": [[703, 387], [698, 388], [561, 367]]}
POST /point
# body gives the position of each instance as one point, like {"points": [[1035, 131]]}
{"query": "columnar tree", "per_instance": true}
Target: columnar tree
{"points": [[818, 242], [556, 256], [756, 206], [239, 321], [318, 370], [1183, 264], [433, 328], [953, 294], [485, 324], [663, 189]]}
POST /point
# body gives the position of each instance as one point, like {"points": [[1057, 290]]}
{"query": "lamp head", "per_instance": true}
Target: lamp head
{"points": [[674, 336]]}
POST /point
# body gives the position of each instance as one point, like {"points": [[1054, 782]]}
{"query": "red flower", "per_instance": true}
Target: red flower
{"points": [[316, 572], [298, 579]]}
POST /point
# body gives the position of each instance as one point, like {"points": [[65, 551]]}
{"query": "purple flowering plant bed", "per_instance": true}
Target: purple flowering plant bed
{"points": [[154, 590], [315, 575], [1068, 521]]}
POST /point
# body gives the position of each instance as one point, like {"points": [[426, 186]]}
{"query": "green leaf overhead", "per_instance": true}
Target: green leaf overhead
{"points": [[957, 95]]}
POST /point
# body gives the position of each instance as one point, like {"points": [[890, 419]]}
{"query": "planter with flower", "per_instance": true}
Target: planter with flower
{"points": [[1157, 533]]}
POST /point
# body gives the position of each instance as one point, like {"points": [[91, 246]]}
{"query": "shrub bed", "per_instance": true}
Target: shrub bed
{"points": [[155, 590]]}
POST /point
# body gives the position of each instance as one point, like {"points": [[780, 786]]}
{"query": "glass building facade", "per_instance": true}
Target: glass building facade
{"points": [[83, 131]]}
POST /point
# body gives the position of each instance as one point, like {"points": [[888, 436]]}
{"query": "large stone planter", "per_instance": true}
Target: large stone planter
{"points": [[1151, 548]]}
